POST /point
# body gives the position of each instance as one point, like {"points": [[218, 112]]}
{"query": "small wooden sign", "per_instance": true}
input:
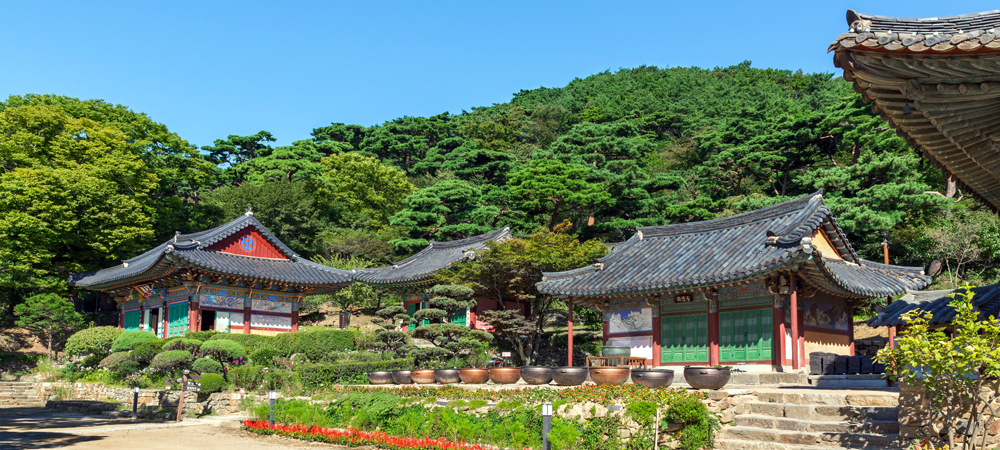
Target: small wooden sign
{"points": [[682, 298]]}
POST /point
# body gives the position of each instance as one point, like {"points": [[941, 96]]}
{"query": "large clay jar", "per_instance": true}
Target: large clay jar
{"points": [[446, 376], [380, 377], [422, 376], [609, 375], [401, 377], [536, 375], [706, 377], [505, 375], [611, 350], [474, 376], [569, 376], [653, 378]]}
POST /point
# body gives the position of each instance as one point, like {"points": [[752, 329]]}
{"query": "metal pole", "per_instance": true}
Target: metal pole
{"points": [[273, 395], [546, 424], [135, 402]]}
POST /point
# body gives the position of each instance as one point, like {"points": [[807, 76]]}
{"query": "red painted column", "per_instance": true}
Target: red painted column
{"points": [[295, 321], [713, 331], [794, 305], [166, 313], [194, 319], [657, 357], [121, 317], [892, 337], [569, 334], [850, 326], [246, 319], [779, 332]]}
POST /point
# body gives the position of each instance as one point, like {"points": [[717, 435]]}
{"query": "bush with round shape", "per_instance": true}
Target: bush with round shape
{"points": [[211, 383], [130, 340], [223, 350], [92, 341], [264, 356], [113, 360], [172, 360], [206, 365], [126, 368], [250, 342], [190, 345], [144, 353]]}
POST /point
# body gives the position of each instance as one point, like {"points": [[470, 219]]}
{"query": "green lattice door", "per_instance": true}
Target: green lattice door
{"points": [[177, 319], [459, 317], [411, 309], [684, 338], [745, 335], [132, 320]]}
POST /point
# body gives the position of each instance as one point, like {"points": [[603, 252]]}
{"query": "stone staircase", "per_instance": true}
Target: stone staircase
{"points": [[814, 419], [19, 393]]}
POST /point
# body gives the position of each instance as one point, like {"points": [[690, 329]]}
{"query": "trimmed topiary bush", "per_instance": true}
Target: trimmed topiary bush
{"points": [[113, 360], [287, 344], [126, 368], [315, 376], [92, 341], [206, 365], [130, 340], [172, 360], [200, 335], [191, 345], [211, 383], [223, 350], [318, 344], [250, 342], [144, 353]]}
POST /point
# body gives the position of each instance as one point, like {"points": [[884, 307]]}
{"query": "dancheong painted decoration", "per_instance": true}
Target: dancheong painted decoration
{"points": [[236, 278]]}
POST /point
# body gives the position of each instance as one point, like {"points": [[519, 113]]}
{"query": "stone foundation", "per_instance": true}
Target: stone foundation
{"points": [[918, 419], [149, 399]]}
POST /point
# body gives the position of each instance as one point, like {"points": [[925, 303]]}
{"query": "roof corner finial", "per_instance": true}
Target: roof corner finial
{"points": [[249, 211], [176, 235], [639, 232]]}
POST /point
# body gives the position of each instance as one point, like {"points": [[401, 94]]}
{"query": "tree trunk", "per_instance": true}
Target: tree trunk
{"points": [[952, 187]]}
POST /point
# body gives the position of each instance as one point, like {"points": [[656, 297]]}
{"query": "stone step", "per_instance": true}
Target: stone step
{"points": [[848, 440], [736, 444], [820, 413], [831, 398], [777, 423]]}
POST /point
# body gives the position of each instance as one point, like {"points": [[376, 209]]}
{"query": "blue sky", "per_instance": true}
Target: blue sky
{"points": [[209, 69]]}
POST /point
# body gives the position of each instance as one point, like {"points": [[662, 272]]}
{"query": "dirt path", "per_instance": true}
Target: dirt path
{"points": [[37, 428]]}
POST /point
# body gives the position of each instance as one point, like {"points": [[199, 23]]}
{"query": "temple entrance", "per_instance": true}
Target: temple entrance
{"points": [[207, 320], [745, 335], [684, 338]]}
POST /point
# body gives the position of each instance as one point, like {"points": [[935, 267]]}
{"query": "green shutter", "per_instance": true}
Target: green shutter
{"points": [[745, 335], [725, 336], [132, 320], [177, 319], [459, 317], [684, 338], [411, 309]]}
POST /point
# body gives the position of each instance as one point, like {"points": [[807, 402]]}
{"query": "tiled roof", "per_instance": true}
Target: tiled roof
{"points": [[190, 250], [732, 249], [986, 300], [963, 33], [427, 262]]}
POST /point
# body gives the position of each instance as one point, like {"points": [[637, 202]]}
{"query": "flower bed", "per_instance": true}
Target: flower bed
{"points": [[355, 438]]}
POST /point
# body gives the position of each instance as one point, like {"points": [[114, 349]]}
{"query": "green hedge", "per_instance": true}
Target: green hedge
{"points": [[223, 350], [145, 352], [92, 341], [191, 345], [319, 345], [251, 342], [318, 375], [130, 340], [200, 335], [246, 377]]}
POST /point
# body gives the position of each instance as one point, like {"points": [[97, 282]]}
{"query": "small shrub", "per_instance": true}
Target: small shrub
{"points": [[264, 356], [200, 335], [250, 342], [223, 350], [319, 375], [565, 435], [686, 410], [92, 341], [130, 340], [113, 360], [190, 345], [90, 362], [246, 377], [288, 343], [206, 365], [171, 360], [211, 383], [145, 352], [318, 344], [127, 368]]}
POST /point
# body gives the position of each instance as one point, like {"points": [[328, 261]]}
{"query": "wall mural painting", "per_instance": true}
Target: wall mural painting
{"points": [[262, 321], [820, 315], [272, 306], [220, 301], [630, 320]]}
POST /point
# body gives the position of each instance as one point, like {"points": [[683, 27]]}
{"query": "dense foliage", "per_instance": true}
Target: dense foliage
{"points": [[85, 183], [92, 341]]}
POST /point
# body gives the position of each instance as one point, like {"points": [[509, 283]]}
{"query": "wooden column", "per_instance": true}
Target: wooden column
{"points": [[779, 332], [166, 324], [794, 305], [569, 334], [194, 319], [892, 337], [850, 326], [246, 319], [121, 316], [295, 320], [657, 333], [713, 329]]}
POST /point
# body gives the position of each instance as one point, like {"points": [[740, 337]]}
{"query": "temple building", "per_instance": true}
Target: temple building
{"points": [[761, 289], [411, 277], [236, 278], [985, 301], [936, 81]]}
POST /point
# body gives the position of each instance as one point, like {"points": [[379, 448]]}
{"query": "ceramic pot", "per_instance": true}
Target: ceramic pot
{"points": [[706, 377], [569, 376], [474, 376], [380, 377], [536, 375], [422, 376], [611, 350], [609, 375], [505, 375], [446, 376], [653, 378], [401, 377]]}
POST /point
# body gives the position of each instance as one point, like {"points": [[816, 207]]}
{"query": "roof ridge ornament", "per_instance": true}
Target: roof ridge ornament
{"points": [[176, 235], [639, 233], [249, 211]]}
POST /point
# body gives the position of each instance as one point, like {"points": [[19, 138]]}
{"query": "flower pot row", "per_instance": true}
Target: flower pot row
{"points": [[697, 377]]}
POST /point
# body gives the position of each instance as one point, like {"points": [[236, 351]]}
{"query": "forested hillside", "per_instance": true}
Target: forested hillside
{"points": [[84, 184]]}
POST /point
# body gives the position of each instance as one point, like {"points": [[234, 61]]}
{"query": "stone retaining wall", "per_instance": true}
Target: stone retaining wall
{"points": [[918, 419], [194, 403]]}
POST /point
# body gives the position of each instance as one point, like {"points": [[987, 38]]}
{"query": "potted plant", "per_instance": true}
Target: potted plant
{"points": [[707, 377]]}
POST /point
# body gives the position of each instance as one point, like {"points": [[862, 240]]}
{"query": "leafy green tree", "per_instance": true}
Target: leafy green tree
{"points": [[555, 188], [404, 142], [50, 317], [364, 186], [297, 162], [457, 340], [468, 160], [448, 210], [235, 151]]}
